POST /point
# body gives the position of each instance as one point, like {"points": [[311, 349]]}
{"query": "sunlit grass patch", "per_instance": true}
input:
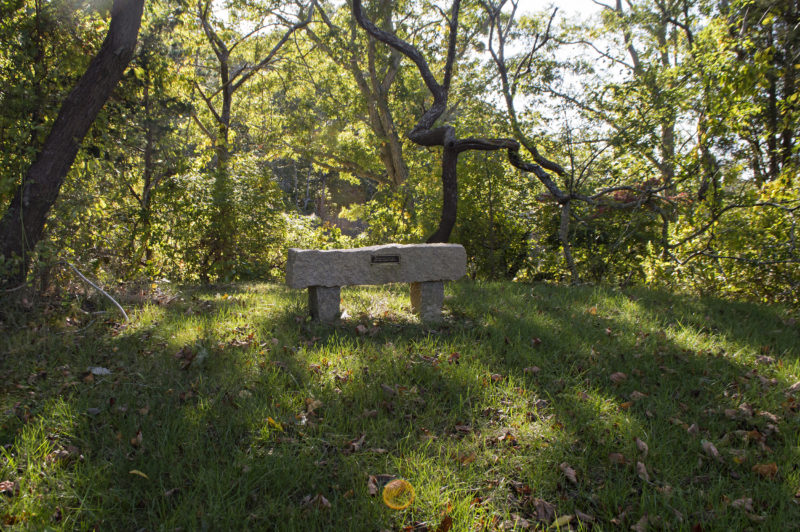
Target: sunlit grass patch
{"points": [[527, 404]]}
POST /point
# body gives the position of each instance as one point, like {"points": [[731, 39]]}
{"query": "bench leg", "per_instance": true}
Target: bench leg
{"points": [[323, 303], [426, 300]]}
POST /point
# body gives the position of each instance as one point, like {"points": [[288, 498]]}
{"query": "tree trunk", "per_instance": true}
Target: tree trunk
{"points": [[23, 223], [449, 196]]}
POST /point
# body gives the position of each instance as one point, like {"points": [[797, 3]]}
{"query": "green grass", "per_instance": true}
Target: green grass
{"points": [[232, 438]]}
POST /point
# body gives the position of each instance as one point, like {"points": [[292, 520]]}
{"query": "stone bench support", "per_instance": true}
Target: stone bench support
{"points": [[424, 266]]}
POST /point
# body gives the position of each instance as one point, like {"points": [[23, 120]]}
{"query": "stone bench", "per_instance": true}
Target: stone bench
{"points": [[425, 266]]}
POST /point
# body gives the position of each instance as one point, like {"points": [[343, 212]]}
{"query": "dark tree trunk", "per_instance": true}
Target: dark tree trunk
{"points": [[449, 196], [23, 223]]}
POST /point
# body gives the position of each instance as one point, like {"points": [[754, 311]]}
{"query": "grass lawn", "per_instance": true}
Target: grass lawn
{"points": [[528, 407]]}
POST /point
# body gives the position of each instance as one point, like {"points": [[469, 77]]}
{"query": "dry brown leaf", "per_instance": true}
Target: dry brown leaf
{"points": [[617, 458], [463, 428], [388, 390], [372, 486], [766, 470], [569, 472], [136, 441], [585, 518], [693, 429], [794, 387], [711, 450], [312, 404], [467, 458], [745, 503], [746, 409], [9, 488], [730, 413], [641, 524], [532, 370], [769, 415], [641, 471], [626, 405], [545, 512], [318, 501], [355, 445], [637, 395], [642, 446], [617, 377], [445, 525]]}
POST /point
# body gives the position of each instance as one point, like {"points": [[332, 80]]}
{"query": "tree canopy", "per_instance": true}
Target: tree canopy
{"points": [[652, 143]]}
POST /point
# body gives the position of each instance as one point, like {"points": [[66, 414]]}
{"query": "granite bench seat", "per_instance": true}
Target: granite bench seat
{"points": [[424, 266]]}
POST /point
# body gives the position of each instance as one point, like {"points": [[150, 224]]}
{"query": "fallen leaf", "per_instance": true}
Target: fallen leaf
{"points": [[641, 524], [730, 413], [770, 416], [617, 377], [532, 370], [355, 445], [569, 472], [372, 486], [398, 494], [626, 405], [388, 390], [463, 428], [641, 471], [561, 521], [136, 441], [536, 342], [361, 329], [318, 501], [593, 311], [764, 359], [467, 458], [745, 503], [545, 512], [272, 423], [9, 488], [312, 404], [693, 429], [711, 450], [453, 358], [585, 518], [445, 525], [137, 472], [617, 458], [766, 470], [637, 395], [746, 409], [794, 387], [642, 446]]}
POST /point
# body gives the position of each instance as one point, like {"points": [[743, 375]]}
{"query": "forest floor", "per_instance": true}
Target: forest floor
{"points": [[528, 407]]}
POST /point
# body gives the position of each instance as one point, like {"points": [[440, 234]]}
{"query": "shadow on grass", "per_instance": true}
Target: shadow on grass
{"points": [[229, 409]]}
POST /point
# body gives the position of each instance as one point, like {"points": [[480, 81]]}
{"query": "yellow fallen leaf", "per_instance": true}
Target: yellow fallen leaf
{"points": [[766, 470], [137, 472], [561, 521], [398, 494], [274, 423]]}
